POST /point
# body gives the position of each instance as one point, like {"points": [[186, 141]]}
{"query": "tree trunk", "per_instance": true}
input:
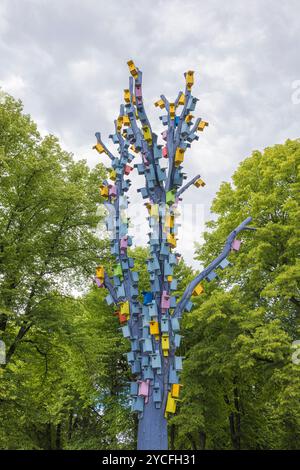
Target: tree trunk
{"points": [[152, 429]]}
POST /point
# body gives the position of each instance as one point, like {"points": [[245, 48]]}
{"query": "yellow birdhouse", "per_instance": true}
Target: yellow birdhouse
{"points": [[202, 125], [126, 120], [175, 390], [199, 289], [171, 239], [171, 404], [179, 156], [188, 118], [181, 100], [154, 210], [172, 110], [119, 123], [132, 69], [112, 175], [169, 222], [154, 328], [160, 104], [127, 96], [165, 343], [199, 182], [124, 310], [189, 79], [147, 134], [104, 191], [100, 272], [99, 148]]}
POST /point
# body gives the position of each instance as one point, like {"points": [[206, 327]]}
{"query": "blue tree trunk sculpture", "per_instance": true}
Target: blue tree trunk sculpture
{"points": [[153, 325]]}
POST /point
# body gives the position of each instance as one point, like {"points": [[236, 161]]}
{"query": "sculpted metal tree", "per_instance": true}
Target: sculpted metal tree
{"points": [[153, 325]]}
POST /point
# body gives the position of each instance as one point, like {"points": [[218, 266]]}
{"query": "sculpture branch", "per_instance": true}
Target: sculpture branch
{"points": [[187, 185], [213, 265]]}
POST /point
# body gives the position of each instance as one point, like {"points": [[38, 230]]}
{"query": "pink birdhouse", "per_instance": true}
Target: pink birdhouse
{"points": [[164, 135], [144, 389], [123, 243], [165, 152], [138, 91], [98, 282], [236, 244], [127, 169], [112, 190], [165, 300]]}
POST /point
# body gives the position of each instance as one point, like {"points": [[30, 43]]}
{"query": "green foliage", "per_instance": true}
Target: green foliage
{"points": [[241, 389], [66, 382]]}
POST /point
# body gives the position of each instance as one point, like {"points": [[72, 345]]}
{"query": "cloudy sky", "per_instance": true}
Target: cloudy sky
{"points": [[66, 60]]}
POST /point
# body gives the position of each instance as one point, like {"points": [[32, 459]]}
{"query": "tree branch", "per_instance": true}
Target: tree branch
{"points": [[214, 264], [187, 185]]}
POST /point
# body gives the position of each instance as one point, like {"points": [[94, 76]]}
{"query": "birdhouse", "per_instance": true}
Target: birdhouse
{"points": [[112, 190], [99, 148], [153, 309], [177, 340], [156, 361], [171, 240], [125, 331], [175, 324], [202, 125], [170, 197], [99, 282], [189, 79], [143, 388], [165, 343], [199, 182], [164, 325], [154, 211], [145, 361], [159, 104], [125, 308], [147, 297], [138, 404], [165, 152], [147, 134], [189, 118], [100, 272], [172, 110], [127, 96], [123, 242], [112, 175], [211, 276], [134, 386], [157, 394], [236, 244], [179, 156], [147, 345], [130, 356], [127, 169], [136, 367], [154, 327], [198, 290], [118, 270], [178, 362], [165, 300], [132, 69], [224, 263], [119, 123], [171, 404], [181, 100], [104, 191], [175, 390], [122, 318], [148, 373], [173, 377], [109, 299]]}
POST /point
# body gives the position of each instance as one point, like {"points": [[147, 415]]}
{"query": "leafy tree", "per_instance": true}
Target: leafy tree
{"points": [[241, 389]]}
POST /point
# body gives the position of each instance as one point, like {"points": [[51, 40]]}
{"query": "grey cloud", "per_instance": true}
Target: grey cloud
{"points": [[66, 59]]}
